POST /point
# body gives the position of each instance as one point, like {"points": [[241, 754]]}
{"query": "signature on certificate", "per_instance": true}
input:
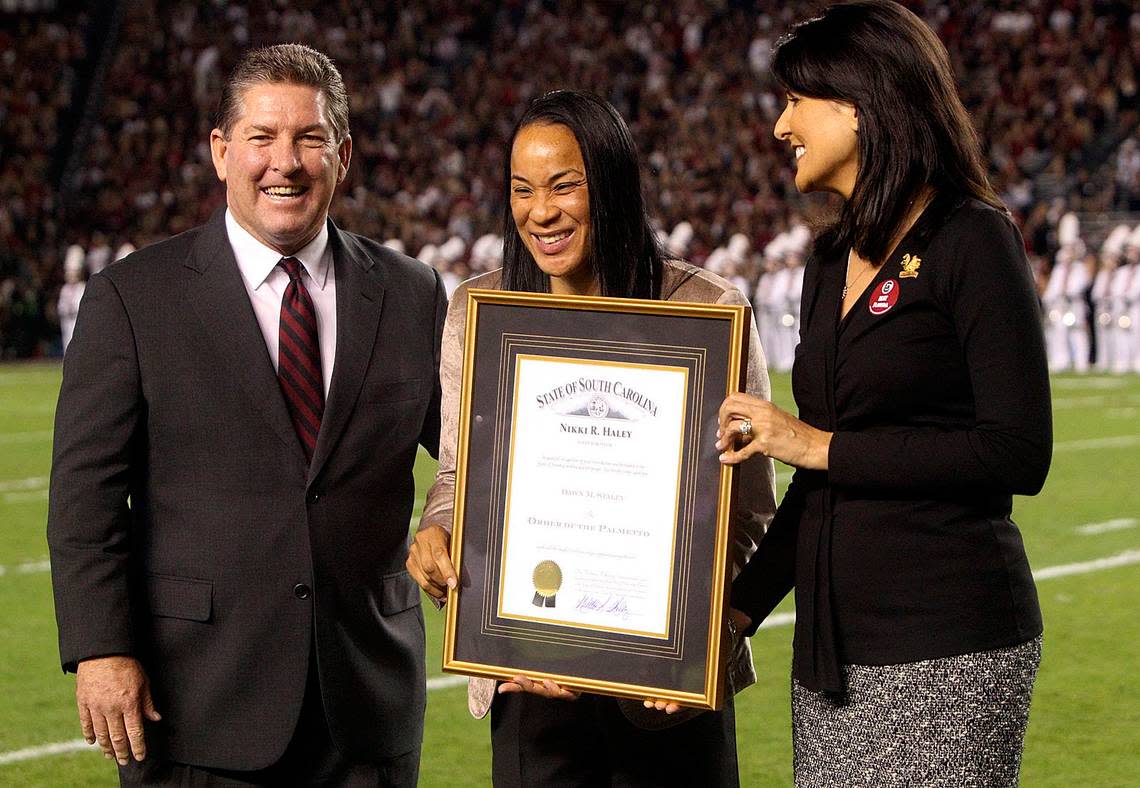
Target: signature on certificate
{"points": [[612, 605]]}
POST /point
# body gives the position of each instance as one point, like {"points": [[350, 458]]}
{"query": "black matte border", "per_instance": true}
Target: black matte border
{"points": [[507, 646]]}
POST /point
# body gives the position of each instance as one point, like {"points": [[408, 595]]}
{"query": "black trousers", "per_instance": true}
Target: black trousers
{"points": [[310, 759], [589, 742]]}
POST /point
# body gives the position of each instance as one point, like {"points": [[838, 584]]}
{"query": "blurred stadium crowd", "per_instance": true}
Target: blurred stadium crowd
{"points": [[106, 110]]}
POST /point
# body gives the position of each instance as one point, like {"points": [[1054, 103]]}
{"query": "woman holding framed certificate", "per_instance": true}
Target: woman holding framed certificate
{"points": [[575, 224], [924, 407]]}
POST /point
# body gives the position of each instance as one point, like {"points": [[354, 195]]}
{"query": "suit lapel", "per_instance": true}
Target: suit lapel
{"points": [[222, 304], [359, 297]]}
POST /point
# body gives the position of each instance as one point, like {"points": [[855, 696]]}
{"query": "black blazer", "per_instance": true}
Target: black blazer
{"points": [[936, 389], [184, 525]]}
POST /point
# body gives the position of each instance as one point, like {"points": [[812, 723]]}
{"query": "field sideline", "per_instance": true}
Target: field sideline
{"points": [[1082, 534]]}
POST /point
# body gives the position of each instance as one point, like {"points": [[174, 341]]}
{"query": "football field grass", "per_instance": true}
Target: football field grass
{"points": [[1082, 534]]}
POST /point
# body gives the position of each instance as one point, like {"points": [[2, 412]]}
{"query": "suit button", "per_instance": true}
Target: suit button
{"points": [[314, 497], [302, 591]]}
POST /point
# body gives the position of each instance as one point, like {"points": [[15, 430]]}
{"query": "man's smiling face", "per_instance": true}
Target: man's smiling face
{"points": [[281, 163]]}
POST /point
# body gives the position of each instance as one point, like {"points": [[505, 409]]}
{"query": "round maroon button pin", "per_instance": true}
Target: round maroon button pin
{"points": [[884, 297]]}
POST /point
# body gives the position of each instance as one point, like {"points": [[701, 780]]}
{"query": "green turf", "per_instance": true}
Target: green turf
{"points": [[1085, 720]]}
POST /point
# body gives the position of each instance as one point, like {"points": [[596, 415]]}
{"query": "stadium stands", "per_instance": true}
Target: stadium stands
{"points": [[437, 84]]}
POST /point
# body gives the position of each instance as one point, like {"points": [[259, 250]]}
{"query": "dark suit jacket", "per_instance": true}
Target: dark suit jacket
{"points": [[184, 523], [904, 550]]}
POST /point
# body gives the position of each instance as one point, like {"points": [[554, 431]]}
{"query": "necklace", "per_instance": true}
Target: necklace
{"points": [[911, 219], [849, 282]]}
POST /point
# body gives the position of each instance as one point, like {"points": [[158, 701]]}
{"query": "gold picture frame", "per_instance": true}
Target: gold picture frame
{"points": [[592, 524]]}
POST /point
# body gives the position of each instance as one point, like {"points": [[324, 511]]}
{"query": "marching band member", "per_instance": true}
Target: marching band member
{"points": [[790, 321], [1066, 312], [71, 293], [1104, 311], [775, 306], [1128, 322]]}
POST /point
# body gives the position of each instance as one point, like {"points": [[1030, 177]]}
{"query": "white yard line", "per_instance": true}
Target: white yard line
{"points": [[44, 750], [34, 488], [34, 436], [446, 682], [1126, 558], [1118, 524], [778, 620], [26, 568], [31, 483], [1090, 382], [1086, 444], [1094, 401], [24, 497]]}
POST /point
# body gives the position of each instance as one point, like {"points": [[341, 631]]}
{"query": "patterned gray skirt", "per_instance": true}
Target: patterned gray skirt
{"points": [[954, 721]]}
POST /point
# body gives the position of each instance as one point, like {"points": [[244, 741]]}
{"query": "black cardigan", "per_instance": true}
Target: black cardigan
{"points": [[935, 385]]}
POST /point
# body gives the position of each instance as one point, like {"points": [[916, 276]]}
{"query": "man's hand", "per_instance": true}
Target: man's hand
{"points": [[113, 695], [429, 561]]}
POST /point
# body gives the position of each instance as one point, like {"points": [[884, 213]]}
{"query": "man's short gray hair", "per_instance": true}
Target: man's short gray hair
{"points": [[293, 64]]}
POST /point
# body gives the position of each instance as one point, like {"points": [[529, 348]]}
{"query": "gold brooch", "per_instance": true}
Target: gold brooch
{"points": [[910, 265]]}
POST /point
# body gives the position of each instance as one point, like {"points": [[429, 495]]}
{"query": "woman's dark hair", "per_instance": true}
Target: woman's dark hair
{"points": [[621, 248], [913, 130]]}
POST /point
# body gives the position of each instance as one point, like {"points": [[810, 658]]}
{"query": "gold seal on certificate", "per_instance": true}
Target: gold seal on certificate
{"points": [[547, 581]]}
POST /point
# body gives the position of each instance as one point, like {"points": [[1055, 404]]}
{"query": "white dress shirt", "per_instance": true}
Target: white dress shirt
{"points": [[265, 283]]}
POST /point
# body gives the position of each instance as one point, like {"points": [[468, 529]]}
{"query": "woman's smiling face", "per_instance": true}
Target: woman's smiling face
{"points": [[822, 133], [550, 202]]}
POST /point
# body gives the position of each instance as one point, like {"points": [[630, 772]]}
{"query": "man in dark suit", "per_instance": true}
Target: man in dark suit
{"points": [[232, 472]]}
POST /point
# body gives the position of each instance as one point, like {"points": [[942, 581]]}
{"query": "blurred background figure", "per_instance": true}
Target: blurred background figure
{"points": [[796, 242], [737, 262], [764, 282], [1105, 309], [1065, 301], [124, 249], [779, 342], [98, 254], [679, 241], [67, 306], [1126, 287], [486, 254], [449, 262]]}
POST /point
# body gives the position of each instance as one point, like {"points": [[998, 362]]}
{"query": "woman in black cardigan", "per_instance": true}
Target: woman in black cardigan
{"points": [[924, 406]]}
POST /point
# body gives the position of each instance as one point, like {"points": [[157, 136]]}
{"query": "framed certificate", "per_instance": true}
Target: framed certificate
{"points": [[592, 515]]}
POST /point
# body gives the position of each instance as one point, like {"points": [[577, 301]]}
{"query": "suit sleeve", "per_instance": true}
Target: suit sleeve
{"points": [[1008, 449], [98, 425], [429, 435]]}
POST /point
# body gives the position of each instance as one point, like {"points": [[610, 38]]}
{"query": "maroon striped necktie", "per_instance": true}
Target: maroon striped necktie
{"points": [[299, 358]]}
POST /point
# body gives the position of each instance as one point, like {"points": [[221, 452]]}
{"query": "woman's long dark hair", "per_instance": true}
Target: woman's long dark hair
{"points": [[913, 130], [621, 248]]}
